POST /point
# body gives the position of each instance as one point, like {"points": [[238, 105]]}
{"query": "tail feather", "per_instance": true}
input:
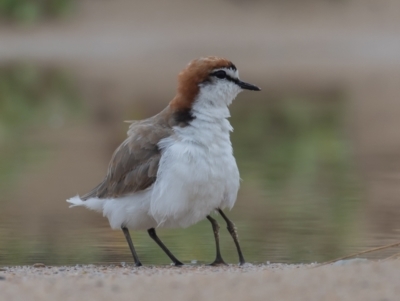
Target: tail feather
{"points": [[95, 204], [75, 201]]}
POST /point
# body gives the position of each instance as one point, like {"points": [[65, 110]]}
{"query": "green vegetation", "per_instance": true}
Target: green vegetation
{"points": [[29, 97], [29, 11]]}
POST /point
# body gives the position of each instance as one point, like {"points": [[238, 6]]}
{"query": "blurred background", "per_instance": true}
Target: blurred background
{"points": [[318, 148]]}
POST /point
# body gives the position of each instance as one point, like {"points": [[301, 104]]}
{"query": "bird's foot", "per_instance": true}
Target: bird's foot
{"points": [[178, 263], [218, 262]]}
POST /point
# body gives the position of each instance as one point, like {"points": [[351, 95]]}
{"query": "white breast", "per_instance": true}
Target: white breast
{"points": [[197, 173]]}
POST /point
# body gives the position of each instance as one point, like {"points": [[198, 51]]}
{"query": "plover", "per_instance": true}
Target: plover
{"points": [[177, 167]]}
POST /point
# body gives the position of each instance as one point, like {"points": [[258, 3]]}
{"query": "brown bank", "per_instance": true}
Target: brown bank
{"points": [[356, 280]]}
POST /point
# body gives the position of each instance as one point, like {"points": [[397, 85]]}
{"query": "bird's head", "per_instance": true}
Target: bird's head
{"points": [[212, 79]]}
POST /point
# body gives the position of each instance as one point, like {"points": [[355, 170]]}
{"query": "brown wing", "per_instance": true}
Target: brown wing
{"points": [[134, 164]]}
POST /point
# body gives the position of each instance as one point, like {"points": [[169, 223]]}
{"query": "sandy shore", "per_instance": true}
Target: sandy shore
{"points": [[353, 281]]}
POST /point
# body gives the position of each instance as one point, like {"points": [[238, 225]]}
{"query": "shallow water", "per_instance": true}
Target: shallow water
{"points": [[301, 198]]}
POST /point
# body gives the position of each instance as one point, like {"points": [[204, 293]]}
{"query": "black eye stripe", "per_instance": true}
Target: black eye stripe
{"points": [[234, 80], [231, 79], [226, 76]]}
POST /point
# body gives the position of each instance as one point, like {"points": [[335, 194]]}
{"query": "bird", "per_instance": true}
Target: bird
{"points": [[176, 168]]}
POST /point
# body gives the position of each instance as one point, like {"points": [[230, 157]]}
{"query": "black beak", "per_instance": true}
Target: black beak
{"points": [[246, 86]]}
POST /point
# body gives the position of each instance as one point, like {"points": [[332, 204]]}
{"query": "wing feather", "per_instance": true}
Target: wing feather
{"points": [[134, 164]]}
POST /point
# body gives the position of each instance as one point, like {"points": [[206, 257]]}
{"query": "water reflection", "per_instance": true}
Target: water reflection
{"points": [[299, 200], [294, 156]]}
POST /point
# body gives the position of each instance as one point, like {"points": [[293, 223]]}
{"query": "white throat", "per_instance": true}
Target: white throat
{"points": [[213, 100]]}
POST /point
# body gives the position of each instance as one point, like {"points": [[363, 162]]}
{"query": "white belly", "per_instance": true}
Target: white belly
{"points": [[193, 180]]}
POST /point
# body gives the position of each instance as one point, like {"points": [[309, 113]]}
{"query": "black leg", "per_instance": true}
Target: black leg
{"points": [[218, 259], [129, 240], [153, 235], [232, 230]]}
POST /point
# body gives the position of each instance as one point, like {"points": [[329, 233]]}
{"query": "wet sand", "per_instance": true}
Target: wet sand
{"points": [[359, 280]]}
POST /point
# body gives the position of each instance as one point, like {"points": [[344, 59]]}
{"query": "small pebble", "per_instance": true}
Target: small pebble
{"points": [[39, 265], [2, 278], [350, 261]]}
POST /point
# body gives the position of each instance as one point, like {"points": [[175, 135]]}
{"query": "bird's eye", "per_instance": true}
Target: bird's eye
{"points": [[220, 74]]}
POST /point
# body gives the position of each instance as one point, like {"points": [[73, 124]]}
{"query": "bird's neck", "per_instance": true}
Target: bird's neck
{"points": [[212, 104]]}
